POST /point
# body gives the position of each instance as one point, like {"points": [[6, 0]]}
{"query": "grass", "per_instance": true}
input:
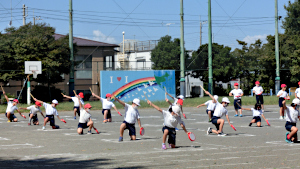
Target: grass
{"points": [[188, 102]]}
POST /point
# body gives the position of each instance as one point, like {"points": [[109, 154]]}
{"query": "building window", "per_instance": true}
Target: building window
{"points": [[108, 63], [84, 67], [141, 64]]}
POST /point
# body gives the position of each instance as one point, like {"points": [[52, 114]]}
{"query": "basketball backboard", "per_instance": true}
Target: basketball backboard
{"points": [[33, 66]]}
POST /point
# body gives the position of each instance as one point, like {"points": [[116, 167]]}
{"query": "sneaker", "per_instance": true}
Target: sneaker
{"points": [[44, 128], [120, 139], [170, 146], [29, 124], [163, 147], [89, 132], [176, 129], [287, 140], [236, 115], [281, 117], [208, 131], [75, 117], [209, 120], [8, 121], [104, 121], [241, 115], [222, 134], [250, 124], [56, 127]]}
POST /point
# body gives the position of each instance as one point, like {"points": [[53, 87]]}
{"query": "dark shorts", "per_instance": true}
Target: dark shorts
{"points": [[108, 113], [288, 127], [236, 106], [34, 117], [51, 119], [131, 128], [171, 134], [212, 112], [280, 102], [214, 120], [257, 119], [12, 117], [82, 125], [77, 111], [260, 99]]}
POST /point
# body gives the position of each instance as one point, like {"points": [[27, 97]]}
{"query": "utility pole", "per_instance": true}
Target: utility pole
{"points": [[277, 79], [24, 14], [201, 23], [182, 61], [210, 74], [71, 78]]}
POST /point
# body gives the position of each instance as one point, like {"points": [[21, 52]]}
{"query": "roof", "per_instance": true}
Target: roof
{"points": [[86, 42]]}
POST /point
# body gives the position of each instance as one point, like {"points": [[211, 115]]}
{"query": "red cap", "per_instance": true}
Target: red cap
{"points": [[299, 83], [283, 85], [257, 82], [108, 95], [87, 106], [180, 101], [38, 103], [236, 84], [81, 95], [16, 100]]}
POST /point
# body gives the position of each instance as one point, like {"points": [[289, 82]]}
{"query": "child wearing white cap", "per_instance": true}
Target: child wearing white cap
{"points": [[177, 101], [171, 119], [11, 107], [131, 116], [220, 110], [211, 105], [76, 103], [50, 112], [292, 114], [34, 109]]}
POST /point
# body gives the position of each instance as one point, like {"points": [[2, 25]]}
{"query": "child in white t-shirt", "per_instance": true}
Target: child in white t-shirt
{"points": [[76, 103], [211, 105], [177, 101], [34, 109], [282, 94], [131, 116], [237, 94], [258, 91], [85, 118], [257, 113], [11, 107], [297, 92], [292, 115], [171, 119]]}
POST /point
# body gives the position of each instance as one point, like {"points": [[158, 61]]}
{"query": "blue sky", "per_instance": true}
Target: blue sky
{"points": [[105, 20]]}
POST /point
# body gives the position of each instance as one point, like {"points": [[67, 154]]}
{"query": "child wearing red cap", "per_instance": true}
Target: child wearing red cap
{"points": [[11, 107], [237, 94], [297, 92], [76, 103], [107, 104], [258, 90], [282, 94], [34, 109], [85, 118], [177, 101]]}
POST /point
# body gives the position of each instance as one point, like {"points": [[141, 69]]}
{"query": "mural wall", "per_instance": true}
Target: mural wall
{"points": [[127, 85]]}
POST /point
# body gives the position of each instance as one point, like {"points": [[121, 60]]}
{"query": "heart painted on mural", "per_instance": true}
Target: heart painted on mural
{"points": [[119, 78]]}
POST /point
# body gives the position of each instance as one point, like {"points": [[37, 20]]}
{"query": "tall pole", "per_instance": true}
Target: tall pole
{"points": [[210, 73], [277, 79], [24, 15], [200, 32], [182, 61], [71, 78]]}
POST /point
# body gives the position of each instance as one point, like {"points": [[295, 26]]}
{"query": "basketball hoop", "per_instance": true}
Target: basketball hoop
{"points": [[34, 73]]}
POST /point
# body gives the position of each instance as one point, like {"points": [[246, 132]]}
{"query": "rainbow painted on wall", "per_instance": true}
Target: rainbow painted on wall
{"points": [[132, 86]]}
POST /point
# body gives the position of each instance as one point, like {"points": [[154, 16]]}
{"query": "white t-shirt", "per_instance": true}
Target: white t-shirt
{"points": [[258, 90], [50, 110], [256, 112], [84, 116], [11, 108], [107, 104], [169, 120], [237, 92], [210, 105], [220, 110], [34, 110], [76, 103], [284, 94], [291, 115], [131, 114], [297, 92]]}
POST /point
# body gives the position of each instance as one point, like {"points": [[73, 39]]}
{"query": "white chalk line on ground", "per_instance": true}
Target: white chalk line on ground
{"points": [[2, 138], [19, 146], [221, 165]]}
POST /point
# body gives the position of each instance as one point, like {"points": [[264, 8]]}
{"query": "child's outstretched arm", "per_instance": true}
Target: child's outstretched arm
{"points": [[167, 100], [200, 105], [5, 96], [96, 96], [227, 117], [69, 97], [262, 115], [120, 101], [183, 127], [153, 105], [246, 109], [170, 96], [38, 100], [212, 97], [117, 110]]}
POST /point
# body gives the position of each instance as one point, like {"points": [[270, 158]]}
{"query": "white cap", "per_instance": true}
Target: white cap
{"points": [[176, 109], [296, 101], [54, 101], [180, 97], [226, 100], [216, 97], [136, 101]]}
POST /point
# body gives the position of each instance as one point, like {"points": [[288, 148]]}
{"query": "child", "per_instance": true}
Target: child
{"points": [[179, 99], [210, 107], [237, 93], [11, 107], [257, 112], [50, 112], [292, 114], [258, 90], [297, 92], [282, 94], [107, 104], [220, 110], [34, 109], [76, 103], [85, 118], [171, 119], [131, 115]]}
